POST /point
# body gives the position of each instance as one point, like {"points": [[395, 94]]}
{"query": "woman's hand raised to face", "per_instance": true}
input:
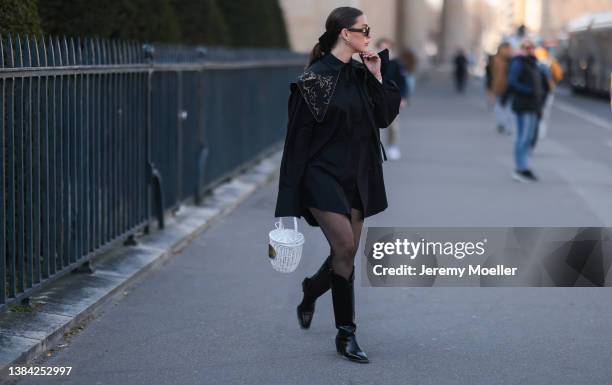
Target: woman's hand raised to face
{"points": [[372, 62]]}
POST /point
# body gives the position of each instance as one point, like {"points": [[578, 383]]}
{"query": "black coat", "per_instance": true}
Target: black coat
{"points": [[395, 72], [526, 84], [311, 124]]}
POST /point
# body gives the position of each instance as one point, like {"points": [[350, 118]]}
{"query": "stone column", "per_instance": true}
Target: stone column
{"points": [[453, 29], [412, 26]]}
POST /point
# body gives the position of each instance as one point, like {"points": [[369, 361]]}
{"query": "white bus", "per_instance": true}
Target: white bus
{"points": [[590, 53]]}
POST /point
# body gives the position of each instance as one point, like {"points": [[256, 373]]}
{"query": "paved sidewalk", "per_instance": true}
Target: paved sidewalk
{"points": [[219, 314]]}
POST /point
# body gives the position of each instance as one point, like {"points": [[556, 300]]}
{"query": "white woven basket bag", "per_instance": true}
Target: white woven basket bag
{"points": [[285, 248]]}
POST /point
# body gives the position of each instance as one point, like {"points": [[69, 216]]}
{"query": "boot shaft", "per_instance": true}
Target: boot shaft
{"points": [[343, 297], [317, 285]]}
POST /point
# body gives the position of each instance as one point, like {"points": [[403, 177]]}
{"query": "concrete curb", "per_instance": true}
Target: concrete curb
{"points": [[75, 298]]}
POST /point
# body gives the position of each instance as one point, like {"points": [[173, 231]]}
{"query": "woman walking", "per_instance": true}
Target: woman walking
{"points": [[331, 171]]}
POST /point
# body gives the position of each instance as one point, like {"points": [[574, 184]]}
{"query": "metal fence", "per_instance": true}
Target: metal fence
{"points": [[100, 138]]}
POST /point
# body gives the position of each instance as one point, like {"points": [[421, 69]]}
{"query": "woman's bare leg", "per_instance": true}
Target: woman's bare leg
{"points": [[338, 230]]}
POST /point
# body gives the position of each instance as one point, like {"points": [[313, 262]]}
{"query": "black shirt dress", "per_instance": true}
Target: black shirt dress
{"points": [[330, 177], [332, 156]]}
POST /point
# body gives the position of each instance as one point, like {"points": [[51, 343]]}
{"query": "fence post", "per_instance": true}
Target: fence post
{"points": [[2, 197], [181, 115], [154, 176], [202, 154]]}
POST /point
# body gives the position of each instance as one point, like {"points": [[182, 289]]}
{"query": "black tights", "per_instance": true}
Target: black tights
{"points": [[343, 237]]}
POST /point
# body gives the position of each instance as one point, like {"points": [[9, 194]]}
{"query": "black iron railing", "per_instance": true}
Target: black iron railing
{"points": [[99, 138]]}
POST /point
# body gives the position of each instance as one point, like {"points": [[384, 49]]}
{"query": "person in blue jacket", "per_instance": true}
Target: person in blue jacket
{"points": [[525, 82]]}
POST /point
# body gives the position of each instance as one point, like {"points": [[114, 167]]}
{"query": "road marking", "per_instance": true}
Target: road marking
{"points": [[582, 114]]}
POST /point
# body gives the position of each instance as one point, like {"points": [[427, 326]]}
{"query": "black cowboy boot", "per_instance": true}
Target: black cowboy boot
{"points": [[343, 296], [313, 288]]}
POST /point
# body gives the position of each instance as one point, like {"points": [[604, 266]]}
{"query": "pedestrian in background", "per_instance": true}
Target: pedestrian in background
{"points": [[490, 98], [461, 70], [410, 62], [525, 82], [554, 74], [517, 37], [500, 65], [546, 79], [396, 72]]}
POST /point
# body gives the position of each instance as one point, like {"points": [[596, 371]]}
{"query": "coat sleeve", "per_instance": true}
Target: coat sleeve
{"points": [[397, 74], [499, 75], [295, 154], [385, 97]]}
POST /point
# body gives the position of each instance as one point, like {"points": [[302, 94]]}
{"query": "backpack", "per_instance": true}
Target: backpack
{"points": [[556, 71]]}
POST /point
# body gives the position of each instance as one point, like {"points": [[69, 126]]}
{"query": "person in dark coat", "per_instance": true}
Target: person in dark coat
{"points": [[331, 169], [526, 85], [461, 70], [396, 72]]}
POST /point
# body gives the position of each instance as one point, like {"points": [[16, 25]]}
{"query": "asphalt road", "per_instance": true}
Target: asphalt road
{"points": [[219, 314]]}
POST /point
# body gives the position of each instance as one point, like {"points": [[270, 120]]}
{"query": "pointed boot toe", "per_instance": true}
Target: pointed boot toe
{"points": [[313, 288], [305, 315], [346, 345]]}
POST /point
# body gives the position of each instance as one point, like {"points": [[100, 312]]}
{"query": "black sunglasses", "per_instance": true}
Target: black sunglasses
{"points": [[365, 30]]}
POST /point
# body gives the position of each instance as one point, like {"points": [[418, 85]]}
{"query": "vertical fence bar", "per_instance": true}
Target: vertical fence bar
{"points": [[110, 213], [141, 79], [121, 143], [95, 128], [118, 143], [148, 162], [11, 223], [3, 254], [62, 164], [129, 127], [106, 130], [82, 156], [134, 143], [119, 140], [92, 113], [179, 136], [75, 162], [200, 130], [112, 160], [104, 134], [27, 169], [56, 137], [36, 167], [72, 150], [53, 160], [107, 213], [84, 56], [97, 135], [19, 152], [122, 164], [66, 166], [139, 179], [46, 204], [141, 150], [141, 125]]}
